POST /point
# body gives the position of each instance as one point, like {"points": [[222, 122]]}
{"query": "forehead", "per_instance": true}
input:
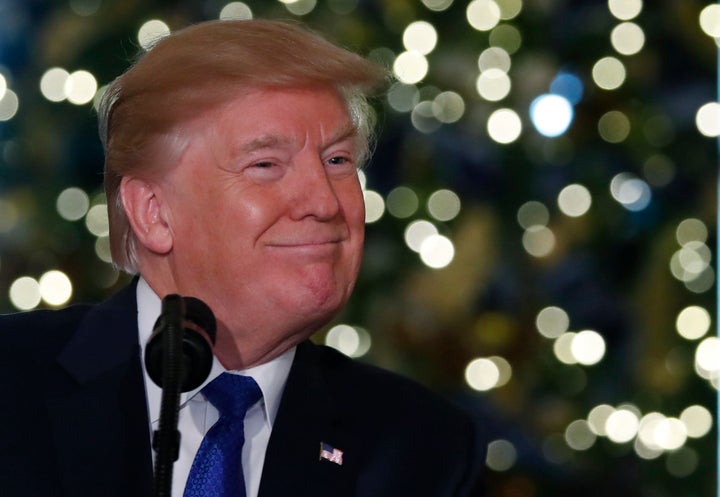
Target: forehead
{"points": [[280, 111]]}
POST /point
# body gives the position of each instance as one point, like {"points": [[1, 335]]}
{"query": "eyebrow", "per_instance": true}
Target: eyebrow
{"points": [[270, 141], [266, 141], [347, 131]]}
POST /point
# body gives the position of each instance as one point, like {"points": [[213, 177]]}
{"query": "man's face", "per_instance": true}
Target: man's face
{"points": [[267, 215]]}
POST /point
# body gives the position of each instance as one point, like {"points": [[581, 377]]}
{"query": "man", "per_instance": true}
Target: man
{"points": [[232, 151]]}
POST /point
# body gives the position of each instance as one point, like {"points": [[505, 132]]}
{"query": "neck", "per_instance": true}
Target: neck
{"points": [[238, 355]]}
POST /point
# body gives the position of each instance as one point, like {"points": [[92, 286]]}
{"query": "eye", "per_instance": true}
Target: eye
{"points": [[263, 165], [339, 160], [265, 170], [340, 166]]}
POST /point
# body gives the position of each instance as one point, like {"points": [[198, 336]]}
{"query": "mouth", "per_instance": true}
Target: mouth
{"points": [[314, 248], [304, 243]]}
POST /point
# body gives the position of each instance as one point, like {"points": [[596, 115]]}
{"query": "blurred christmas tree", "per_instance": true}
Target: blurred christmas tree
{"points": [[541, 212]]}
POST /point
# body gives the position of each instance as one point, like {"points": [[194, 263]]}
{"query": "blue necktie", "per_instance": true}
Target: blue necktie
{"points": [[217, 468]]}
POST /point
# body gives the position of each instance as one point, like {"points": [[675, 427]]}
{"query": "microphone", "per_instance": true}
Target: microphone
{"points": [[195, 322]]}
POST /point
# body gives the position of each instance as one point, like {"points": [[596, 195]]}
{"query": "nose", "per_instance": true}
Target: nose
{"points": [[314, 193]]}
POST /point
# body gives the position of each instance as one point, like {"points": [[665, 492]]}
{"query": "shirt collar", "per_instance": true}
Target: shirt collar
{"points": [[270, 376]]}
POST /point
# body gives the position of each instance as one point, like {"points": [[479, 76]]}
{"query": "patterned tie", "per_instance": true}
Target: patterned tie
{"points": [[217, 468]]}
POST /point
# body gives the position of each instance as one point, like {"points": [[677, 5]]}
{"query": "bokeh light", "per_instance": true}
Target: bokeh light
{"points": [[423, 117], [151, 32], [235, 10], [353, 341], [80, 87], [552, 322], [402, 97], [417, 232], [437, 251], [420, 36], [52, 84], [504, 370], [9, 105], [96, 220], [533, 213], [55, 288], [501, 455], [509, 9], [574, 200], [9, 215], [614, 126], [402, 202], [374, 206], [598, 417], [698, 421], [609, 73], [579, 436], [482, 374], [551, 114], [300, 7], [483, 15], [437, 5], [493, 84], [707, 358], [507, 37], [710, 20], [538, 241], [494, 58], [72, 203], [622, 425], [627, 38], [587, 347], [682, 462], [410, 67], [568, 85], [691, 230], [504, 126], [693, 322], [659, 170], [707, 119], [448, 107], [562, 348], [25, 293], [625, 10], [444, 205], [102, 249], [630, 191]]}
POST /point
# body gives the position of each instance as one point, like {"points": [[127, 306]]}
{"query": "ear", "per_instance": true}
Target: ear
{"points": [[144, 210]]}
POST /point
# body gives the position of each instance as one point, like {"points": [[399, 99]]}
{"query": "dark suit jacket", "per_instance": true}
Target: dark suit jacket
{"points": [[74, 422]]}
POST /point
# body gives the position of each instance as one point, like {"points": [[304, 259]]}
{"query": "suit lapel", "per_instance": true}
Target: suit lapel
{"points": [[100, 423], [308, 416]]}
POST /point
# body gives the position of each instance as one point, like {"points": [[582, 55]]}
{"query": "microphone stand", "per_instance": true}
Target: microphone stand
{"points": [[178, 359], [166, 439]]}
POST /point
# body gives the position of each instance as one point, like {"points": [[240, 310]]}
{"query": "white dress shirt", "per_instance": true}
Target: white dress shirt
{"points": [[197, 415]]}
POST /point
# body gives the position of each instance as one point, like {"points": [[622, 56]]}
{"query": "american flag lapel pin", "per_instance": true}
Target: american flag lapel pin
{"points": [[330, 453]]}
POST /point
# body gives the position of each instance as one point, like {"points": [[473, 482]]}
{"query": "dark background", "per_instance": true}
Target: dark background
{"points": [[610, 269]]}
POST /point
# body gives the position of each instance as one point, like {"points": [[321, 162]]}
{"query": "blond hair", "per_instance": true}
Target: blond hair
{"points": [[198, 69]]}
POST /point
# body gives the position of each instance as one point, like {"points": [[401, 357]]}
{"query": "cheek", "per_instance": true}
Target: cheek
{"points": [[354, 208], [237, 215], [355, 218]]}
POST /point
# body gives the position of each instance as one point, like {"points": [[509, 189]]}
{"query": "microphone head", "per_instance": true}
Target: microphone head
{"points": [[196, 355], [198, 313], [197, 359]]}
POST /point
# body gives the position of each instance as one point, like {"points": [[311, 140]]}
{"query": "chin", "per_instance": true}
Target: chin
{"points": [[320, 311]]}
